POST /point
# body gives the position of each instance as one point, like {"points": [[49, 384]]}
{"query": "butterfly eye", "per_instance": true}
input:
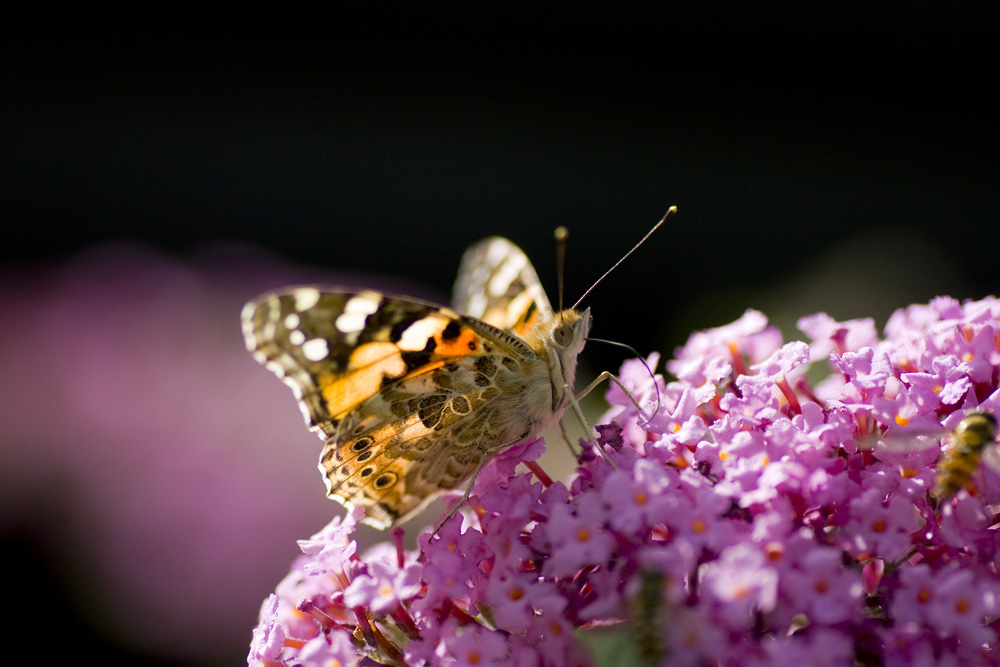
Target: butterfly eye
{"points": [[563, 335]]}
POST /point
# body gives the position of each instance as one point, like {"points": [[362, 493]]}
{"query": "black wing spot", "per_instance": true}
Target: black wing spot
{"points": [[431, 416], [486, 366], [365, 456], [385, 480], [362, 444], [432, 401], [415, 360], [396, 319], [367, 472], [452, 331]]}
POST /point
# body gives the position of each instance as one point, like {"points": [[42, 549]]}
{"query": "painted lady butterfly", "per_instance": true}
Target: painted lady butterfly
{"points": [[412, 398]]}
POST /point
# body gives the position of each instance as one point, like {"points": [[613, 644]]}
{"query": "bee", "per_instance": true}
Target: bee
{"points": [[971, 442]]}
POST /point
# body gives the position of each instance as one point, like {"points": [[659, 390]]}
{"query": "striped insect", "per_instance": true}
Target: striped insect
{"points": [[971, 443]]}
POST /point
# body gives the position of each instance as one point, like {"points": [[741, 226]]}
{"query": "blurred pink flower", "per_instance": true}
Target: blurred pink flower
{"points": [[170, 473]]}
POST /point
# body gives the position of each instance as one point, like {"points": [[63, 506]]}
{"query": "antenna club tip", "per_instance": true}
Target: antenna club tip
{"points": [[561, 234]]}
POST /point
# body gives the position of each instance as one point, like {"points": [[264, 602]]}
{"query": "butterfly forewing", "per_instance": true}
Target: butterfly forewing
{"points": [[497, 284], [333, 346], [409, 396]]}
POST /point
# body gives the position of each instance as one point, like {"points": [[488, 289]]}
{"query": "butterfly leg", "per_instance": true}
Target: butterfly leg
{"points": [[569, 443], [490, 453], [575, 400], [610, 376]]}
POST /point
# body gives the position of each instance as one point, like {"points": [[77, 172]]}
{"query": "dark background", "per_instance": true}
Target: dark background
{"points": [[840, 159]]}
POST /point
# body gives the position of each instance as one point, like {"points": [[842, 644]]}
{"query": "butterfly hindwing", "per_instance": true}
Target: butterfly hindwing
{"points": [[417, 436]]}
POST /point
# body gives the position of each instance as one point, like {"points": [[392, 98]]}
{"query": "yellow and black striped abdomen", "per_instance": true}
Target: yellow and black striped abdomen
{"points": [[970, 437]]}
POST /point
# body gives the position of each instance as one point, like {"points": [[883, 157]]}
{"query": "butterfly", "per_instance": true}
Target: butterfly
{"points": [[411, 398]]}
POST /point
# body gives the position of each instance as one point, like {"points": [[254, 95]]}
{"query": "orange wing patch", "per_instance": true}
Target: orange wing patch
{"points": [[425, 345], [369, 366]]}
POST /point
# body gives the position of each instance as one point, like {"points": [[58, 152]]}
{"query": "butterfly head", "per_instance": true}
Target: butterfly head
{"points": [[569, 330], [565, 335]]}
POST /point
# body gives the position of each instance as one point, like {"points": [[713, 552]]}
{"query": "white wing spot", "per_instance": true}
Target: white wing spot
{"points": [[505, 275], [292, 321], [305, 298], [296, 388], [272, 366], [268, 331], [315, 349], [356, 311], [496, 252], [248, 310], [296, 337], [415, 336]]}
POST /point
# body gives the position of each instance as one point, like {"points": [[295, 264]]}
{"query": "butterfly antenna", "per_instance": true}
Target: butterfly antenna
{"points": [[652, 375], [562, 236], [666, 216]]}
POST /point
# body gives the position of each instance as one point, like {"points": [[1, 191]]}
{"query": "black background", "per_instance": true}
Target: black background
{"points": [[841, 158]]}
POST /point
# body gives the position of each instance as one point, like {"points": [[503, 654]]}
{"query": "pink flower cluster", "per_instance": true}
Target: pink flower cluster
{"points": [[756, 519]]}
